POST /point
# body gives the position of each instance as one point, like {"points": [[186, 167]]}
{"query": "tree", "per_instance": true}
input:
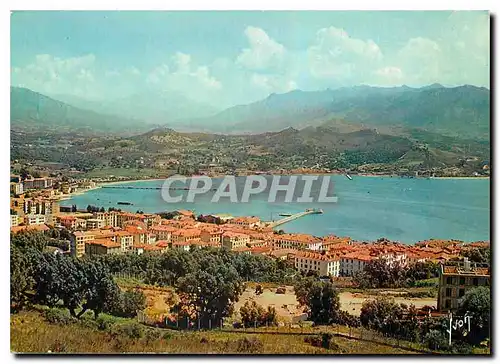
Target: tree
{"points": [[210, 292], [127, 303], [381, 314], [253, 314], [21, 277], [321, 298], [102, 209], [477, 303], [100, 288]]}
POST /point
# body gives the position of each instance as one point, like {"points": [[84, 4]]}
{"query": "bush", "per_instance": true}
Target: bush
{"points": [[435, 340], [152, 335], [323, 340], [327, 341], [249, 345], [132, 330], [56, 316], [167, 336]]}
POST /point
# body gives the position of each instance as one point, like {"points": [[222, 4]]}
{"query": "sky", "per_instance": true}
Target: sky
{"points": [[235, 57]]}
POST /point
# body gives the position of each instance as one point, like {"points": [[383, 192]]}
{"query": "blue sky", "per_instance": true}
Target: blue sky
{"points": [[227, 58]]}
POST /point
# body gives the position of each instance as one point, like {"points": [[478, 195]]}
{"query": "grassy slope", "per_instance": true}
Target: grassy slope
{"points": [[30, 333]]}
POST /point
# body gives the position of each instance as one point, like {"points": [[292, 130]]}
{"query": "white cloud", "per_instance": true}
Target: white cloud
{"points": [[54, 75], [264, 52], [337, 56], [389, 75], [273, 83], [184, 77]]}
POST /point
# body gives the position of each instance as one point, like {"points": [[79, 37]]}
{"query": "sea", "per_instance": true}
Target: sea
{"points": [[367, 208]]}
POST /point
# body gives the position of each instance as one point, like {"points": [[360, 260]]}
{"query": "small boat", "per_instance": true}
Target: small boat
{"points": [[348, 177], [285, 214], [124, 203]]}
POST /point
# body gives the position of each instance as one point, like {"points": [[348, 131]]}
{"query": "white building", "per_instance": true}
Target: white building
{"points": [[34, 219], [297, 241], [14, 220], [323, 264], [354, 262]]}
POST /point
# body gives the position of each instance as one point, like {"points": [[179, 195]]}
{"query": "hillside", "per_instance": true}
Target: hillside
{"points": [[459, 111], [32, 110]]}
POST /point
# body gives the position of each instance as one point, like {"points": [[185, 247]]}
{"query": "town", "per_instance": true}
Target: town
{"points": [[94, 231]]}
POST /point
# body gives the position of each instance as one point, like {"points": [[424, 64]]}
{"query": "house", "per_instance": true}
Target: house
{"points": [[102, 246]]}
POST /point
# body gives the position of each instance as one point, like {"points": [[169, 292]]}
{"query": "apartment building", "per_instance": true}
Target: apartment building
{"points": [[163, 232], [125, 239], [16, 188], [354, 262], [232, 240], [14, 220], [297, 241], [212, 235], [78, 239], [34, 219], [94, 224], [37, 183], [323, 264], [185, 235], [456, 280]]}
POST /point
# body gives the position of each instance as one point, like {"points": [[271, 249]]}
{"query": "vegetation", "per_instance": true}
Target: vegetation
{"points": [[379, 274]]}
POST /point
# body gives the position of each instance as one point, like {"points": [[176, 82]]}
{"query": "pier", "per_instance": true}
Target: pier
{"points": [[284, 220]]}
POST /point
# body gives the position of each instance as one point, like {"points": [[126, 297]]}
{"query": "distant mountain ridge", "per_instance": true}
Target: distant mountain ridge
{"points": [[458, 111], [32, 109], [462, 111]]}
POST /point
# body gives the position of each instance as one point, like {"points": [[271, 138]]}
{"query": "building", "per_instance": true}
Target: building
{"points": [[34, 219], [247, 222], [78, 240], [16, 188], [297, 241], [94, 224], [232, 240], [163, 232], [102, 246], [125, 239], [323, 264], [14, 220], [456, 280], [37, 183], [352, 263], [211, 235], [185, 236]]}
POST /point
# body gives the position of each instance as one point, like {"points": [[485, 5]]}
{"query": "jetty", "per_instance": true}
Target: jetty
{"points": [[151, 188], [292, 217]]}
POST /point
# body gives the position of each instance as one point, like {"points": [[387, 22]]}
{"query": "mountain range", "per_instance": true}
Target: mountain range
{"points": [[462, 111]]}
